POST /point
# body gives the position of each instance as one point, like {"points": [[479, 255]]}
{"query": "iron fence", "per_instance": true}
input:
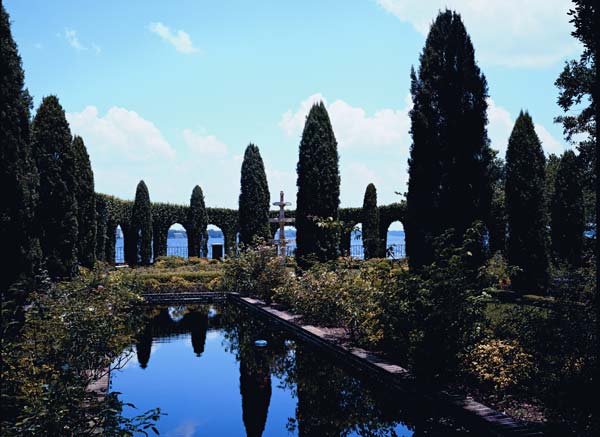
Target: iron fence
{"points": [[394, 251]]}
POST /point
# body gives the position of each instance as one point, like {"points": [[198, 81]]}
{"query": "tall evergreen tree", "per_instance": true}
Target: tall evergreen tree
{"points": [[579, 97], [21, 253], [567, 219], [496, 225], [101, 227], [450, 159], [198, 220], [526, 207], [57, 213], [141, 222], [86, 205], [318, 195], [370, 223], [254, 198]]}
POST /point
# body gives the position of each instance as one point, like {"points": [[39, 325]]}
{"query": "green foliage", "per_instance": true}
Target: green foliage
{"points": [[496, 223], [101, 226], [503, 365], [73, 333], [449, 311], [525, 207], [578, 97], [180, 282], [141, 227], [567, 219], [370, 224], [318, 183], [450, 160], [256, 272], [497, 273], [57, 211], [428, 320], [21, 253], [561, 338], [254, 198], [198, 221], [86, 204]]}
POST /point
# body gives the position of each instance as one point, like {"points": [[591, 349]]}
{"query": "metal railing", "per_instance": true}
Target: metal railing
{"points": [[181, 251], [119, 255], [393, 251]]}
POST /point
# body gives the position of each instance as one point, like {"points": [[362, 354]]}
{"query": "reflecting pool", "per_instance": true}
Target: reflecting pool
{"points": [[201, 365]]}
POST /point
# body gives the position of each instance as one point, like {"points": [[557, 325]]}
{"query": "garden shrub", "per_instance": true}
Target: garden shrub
{"points": [[169, 262], [71, 333], [256, 272], [502, 365]]}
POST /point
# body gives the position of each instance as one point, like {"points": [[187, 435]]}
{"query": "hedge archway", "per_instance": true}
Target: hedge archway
{"points": [[112, 211]]}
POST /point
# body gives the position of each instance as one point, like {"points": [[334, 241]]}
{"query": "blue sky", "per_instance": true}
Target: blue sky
{"points": [[172, 92]]}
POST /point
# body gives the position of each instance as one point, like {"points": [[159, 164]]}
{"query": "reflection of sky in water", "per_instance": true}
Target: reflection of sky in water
{"points": [[201, 395]]}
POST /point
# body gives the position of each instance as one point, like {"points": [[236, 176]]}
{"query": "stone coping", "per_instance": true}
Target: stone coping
{"points": [[472, 414]]}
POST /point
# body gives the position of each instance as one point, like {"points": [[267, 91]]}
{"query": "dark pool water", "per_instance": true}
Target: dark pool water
{"points": [[201, 366]]}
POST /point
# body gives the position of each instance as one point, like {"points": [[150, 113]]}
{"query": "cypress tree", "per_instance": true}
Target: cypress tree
{"points": [[20, 255], [86, 205], [567, 214], [525, 207], [198, 220], [254, 198], [370, 223], [101, 227], [141, 222], [55, 158], [450, 159], [318, 196]]}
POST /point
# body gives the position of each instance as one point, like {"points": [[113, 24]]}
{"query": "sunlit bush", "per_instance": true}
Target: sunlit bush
{"points": [[501, 364], [256, 272]]}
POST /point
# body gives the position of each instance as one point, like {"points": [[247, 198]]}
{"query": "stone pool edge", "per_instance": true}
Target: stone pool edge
{"points": [[474, 414]]}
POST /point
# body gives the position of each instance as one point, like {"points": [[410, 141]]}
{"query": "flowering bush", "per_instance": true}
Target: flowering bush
{"points": [[256, 272], [501, 364]]}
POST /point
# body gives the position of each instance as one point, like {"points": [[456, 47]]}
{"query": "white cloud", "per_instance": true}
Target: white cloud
{"points": [[180, 40], [353, 127], [513, 33], [549, 143], [501, 123], [73, 40], [373, 148], [119, 134], [293, 122], [124, 147], [280, 180], [204, 144]]}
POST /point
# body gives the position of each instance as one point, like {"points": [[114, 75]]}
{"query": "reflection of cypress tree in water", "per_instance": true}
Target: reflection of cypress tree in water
{"points": [[143, 347], [318, 412], [198, 323], [255, 388]]}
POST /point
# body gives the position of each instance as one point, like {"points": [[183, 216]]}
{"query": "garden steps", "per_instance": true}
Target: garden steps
{"points": [[473, 414]]}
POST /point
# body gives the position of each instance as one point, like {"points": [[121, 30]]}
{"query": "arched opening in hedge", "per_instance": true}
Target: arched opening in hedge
{"points": [[177, 241], [356, 242], [216, 241], [290, 234], [119, 239], [394, 244]]}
